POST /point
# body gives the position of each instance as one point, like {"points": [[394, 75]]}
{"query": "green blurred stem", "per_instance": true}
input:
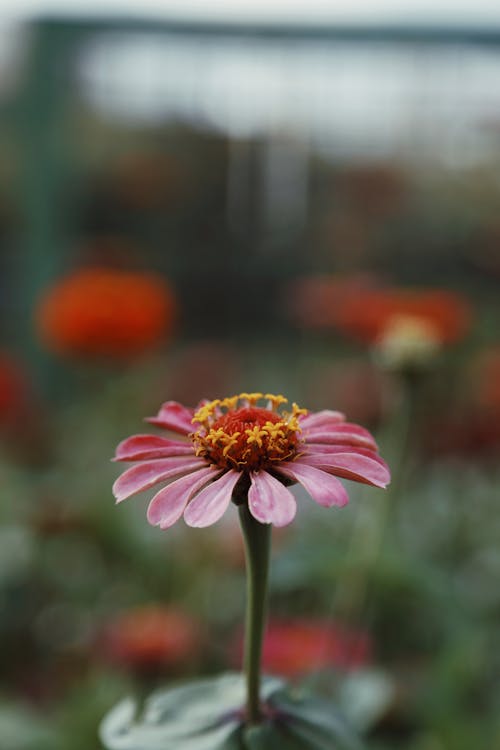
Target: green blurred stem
{"points": [[404, 427], [141, 690], [369, 539], [257, 538]]}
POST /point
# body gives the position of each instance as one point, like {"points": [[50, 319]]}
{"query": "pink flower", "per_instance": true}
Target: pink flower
{"points": [[233, 446]]}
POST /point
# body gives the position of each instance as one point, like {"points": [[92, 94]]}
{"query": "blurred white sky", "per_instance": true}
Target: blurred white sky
{"points": [[442, 102], [452, 12]]}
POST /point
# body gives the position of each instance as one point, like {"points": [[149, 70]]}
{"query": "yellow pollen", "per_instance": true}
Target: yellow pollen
{"points": [[255, 435], [275, 400], [232, 441], [260, 445], [252, 398], [229, 403], [274, 429]]}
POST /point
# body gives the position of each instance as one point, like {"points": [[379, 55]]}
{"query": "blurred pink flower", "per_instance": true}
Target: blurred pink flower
{"points": [[235, 445]]}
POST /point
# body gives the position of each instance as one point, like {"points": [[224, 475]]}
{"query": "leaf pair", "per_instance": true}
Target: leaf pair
{"points": [[207, 715]]}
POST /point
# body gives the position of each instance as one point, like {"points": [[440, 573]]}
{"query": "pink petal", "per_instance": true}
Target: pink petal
{"points": [[168, 505], [317, 449], [269, 500], [321, 419], [140, 447], [353, 466], [351, 434], [211, 503], [323, 488], [174, 416], [146, 474]]}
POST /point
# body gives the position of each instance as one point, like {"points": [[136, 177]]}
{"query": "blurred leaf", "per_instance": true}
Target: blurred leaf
{"points": [[81, 707], [300, 723], [268, 737], [20, 729], [17, 551], [365, 696], [207, 715], [202, 715], [315, 722]]}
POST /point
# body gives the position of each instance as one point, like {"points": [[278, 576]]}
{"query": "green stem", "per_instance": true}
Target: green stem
{"points": [[257, 538], [368, 539], [403, 428], [141, 689]]}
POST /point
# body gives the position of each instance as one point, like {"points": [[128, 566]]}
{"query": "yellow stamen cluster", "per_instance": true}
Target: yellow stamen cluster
{"points": [[236, 433]]}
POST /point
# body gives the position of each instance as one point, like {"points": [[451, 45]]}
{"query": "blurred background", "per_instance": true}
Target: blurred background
{"points": [[200, 201]]}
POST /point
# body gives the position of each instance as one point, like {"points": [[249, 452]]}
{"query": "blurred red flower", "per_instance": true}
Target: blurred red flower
{"points": [[317, 301], [23, 423], [15, 391], [149, 637], [471, 428], [294, 647], [105, 312], [368, 315], [486, 380], [467, 435]]}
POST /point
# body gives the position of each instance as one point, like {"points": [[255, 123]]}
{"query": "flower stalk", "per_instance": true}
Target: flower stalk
{"points": [[257, 537]]}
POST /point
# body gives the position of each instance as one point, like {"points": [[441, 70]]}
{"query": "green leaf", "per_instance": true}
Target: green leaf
{"points": [[308, 737], [204, 715], [300, 723], [207, 715], [268, 736], [315, 722], [364, 696], [120, 732]]}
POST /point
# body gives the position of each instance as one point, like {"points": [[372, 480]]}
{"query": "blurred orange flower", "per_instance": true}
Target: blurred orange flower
{"points": [[368, 315], [294, 647], [105, 312], [149, 637]]}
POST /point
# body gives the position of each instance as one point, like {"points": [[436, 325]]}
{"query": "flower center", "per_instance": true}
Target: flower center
{"points": [[246, 437]]}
